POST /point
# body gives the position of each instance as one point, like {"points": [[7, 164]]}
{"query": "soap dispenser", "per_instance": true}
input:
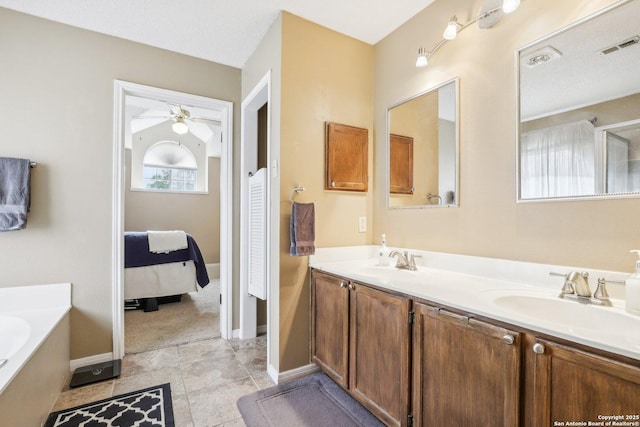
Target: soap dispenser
{"points": [[632, 289], [383, 252]]}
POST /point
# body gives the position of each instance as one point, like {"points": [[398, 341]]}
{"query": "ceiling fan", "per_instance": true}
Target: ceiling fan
{"points": [[181, 116]]}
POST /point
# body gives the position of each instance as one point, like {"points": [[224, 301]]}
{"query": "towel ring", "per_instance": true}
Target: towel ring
{"points": [[295, 190]]}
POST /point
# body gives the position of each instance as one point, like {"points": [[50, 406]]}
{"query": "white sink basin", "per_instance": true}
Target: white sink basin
{"points": [[384, 274], [571, 313], [580, 319]]}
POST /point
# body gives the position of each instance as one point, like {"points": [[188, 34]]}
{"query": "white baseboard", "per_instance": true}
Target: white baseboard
{"points": [[293, 374], [261, 329], [213, 270], [91, 360]]}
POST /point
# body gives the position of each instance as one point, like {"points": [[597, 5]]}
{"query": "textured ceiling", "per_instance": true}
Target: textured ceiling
{"points": [[223, 31]]}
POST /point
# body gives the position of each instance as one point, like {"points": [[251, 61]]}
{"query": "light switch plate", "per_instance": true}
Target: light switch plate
{"points": [[362, 224]]}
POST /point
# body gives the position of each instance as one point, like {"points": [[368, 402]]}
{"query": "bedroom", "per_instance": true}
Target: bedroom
{"points": [[172, 182]]}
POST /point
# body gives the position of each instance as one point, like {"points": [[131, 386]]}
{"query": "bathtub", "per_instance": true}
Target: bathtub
{"points": [[34, 350]]}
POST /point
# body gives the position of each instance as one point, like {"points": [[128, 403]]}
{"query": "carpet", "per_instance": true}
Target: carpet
{"points": [[195, 318], [314, 400], [150, 407]]}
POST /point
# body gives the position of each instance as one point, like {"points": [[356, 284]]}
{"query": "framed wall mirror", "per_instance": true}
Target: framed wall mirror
{"points": [[422, 149], [579, 109]]}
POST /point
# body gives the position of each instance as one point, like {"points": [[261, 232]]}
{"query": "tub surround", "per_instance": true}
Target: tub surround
{"points": [[472, 284], [35, 373]]}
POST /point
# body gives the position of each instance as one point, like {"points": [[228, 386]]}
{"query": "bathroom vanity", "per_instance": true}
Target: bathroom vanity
{"points": [[438, 347]]}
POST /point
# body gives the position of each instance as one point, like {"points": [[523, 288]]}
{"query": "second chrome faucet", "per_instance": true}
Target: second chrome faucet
{"points": [[405, 260], [576, 287]]}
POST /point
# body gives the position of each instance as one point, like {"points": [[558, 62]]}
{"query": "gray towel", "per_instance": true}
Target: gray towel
{"points": [[15, 193], [302, 228]]}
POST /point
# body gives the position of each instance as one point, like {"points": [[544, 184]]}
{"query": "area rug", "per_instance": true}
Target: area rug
{"points": [[150, 407], [314, 400]]}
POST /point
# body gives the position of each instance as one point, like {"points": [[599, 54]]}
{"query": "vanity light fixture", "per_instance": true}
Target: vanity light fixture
{"points": [[489, 14], [180, 127], [451, 31]]}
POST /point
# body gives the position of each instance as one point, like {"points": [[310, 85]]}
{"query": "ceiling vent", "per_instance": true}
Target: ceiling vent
{"points": [[630, 42]]}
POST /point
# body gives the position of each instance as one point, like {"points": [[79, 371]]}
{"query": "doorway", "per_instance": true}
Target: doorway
{"points": [[258, 151], [223, 111]]}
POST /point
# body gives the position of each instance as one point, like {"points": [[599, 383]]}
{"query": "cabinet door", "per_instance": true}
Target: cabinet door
{"points": [[330, 326], [379, 375], [465, 372], [400, 164], [573, 385], [346, 158]]}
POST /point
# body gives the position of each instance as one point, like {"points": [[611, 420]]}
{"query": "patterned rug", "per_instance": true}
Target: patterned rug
{"points": [[150, 407]]}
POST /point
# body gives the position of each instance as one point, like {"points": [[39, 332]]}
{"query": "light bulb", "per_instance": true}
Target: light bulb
{"points": [[509, 6], [422, 58], [180, 127], [451, 31]]}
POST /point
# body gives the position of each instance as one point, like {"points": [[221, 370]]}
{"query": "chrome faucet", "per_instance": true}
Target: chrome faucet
{"points": [[580, 283], [576, 287], [405, 261]]}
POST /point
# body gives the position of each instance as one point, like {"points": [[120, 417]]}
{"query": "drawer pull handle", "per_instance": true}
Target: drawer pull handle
{"points": [[352, 287], [343, 284], [508, 339], [538, 348]]}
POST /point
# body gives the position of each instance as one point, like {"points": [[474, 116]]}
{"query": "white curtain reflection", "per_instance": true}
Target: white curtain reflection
{"points": [[558, 161]]}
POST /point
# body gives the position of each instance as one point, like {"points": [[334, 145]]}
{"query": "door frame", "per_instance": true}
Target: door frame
{"points": [[122, 89], [259, 95], [248, 161]]}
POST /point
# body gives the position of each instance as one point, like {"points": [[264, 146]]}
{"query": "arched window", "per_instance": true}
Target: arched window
{"points": [[170, 166]]}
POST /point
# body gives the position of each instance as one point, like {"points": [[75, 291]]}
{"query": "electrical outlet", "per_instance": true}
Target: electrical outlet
{"points": [[362, 224]]}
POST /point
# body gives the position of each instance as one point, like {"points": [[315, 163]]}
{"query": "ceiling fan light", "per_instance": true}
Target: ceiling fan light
{"points": [[180, 127], [509, 6]]}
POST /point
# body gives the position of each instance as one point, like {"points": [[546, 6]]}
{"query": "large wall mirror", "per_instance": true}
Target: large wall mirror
{"points": [[579, 127], [422, 149]]}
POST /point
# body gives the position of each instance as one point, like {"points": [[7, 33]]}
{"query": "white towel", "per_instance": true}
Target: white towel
{"points": [[167, 241]]}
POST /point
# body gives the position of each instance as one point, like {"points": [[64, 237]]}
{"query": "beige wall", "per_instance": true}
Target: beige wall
{"points": [[596, 234], [197, 214], [326, 76], [57, 91]]}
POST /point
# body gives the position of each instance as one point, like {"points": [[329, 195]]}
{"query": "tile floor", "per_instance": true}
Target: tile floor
{"points": [[207, 377]]}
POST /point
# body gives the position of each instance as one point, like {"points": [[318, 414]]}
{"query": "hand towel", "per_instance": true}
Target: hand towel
{"points": [[15, 193], [302, 228], [167, 241]]}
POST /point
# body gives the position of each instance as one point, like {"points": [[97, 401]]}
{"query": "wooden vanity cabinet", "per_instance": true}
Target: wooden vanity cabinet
{"points": [[412, 362], [568, 384], [330, 326], [466, 372], [376, 326]]}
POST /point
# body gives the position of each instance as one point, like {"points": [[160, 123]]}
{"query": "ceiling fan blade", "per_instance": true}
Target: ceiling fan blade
{"points": [[151, 117], [203, 120], [175, 109]]}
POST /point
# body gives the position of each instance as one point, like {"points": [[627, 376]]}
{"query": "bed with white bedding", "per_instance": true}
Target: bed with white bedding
{"points": [[156, 270]]}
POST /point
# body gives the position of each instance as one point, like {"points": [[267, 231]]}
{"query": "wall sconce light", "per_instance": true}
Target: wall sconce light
{"points": [[180, 127], [489, 14]]}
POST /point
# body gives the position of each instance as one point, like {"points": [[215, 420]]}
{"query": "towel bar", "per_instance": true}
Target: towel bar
{"points": [[295, 190]]}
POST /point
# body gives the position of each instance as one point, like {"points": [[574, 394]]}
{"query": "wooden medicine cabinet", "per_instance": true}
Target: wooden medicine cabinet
{"points": [[401, 164], [346, 157]]}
